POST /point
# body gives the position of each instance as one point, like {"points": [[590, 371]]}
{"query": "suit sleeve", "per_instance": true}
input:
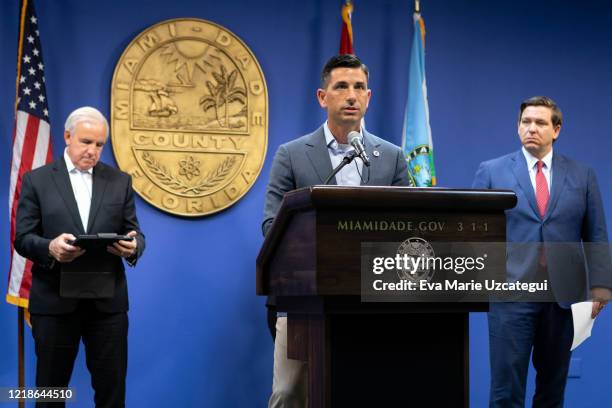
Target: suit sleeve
{"points": [[281, 181], [595, 237], [130, 223], [401, 171], [482, 179], [29, 241]]}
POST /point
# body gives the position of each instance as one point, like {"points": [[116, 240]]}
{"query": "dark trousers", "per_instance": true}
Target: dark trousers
{"points": [[104, 336], [515, 329]]}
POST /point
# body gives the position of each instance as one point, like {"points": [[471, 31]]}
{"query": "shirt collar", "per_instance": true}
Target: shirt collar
{"points": [[71, 167], [331, 141], [532, 160]]}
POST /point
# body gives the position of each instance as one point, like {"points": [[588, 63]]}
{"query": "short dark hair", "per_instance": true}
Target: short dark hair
{"points": [[341, 61], [557, 116]]}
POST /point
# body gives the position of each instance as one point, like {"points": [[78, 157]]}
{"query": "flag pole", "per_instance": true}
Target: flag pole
{"points": [[20, 353], [417, 6], [20, 314]]}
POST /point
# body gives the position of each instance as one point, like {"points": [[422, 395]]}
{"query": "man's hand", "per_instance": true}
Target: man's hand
{"points": [[62, 251], [601, 297], [124, 249]]}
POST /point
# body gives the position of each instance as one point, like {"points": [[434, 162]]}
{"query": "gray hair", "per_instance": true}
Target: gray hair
{"points": [[84, 114]]}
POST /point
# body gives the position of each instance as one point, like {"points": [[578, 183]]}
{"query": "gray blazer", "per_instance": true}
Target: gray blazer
{"points": [[305, 162]]}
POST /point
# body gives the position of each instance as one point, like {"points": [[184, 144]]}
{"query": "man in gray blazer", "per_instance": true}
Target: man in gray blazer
{"points": [[308, 161]]}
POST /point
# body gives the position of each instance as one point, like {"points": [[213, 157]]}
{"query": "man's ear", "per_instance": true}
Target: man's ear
{"points": [[321, 97], [557, 131]]}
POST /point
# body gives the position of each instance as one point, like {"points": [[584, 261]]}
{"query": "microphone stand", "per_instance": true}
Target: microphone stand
{"points": [[346, 160]]}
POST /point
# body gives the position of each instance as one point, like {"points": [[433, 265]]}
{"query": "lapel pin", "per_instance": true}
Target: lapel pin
{"points": [[376, 153]]}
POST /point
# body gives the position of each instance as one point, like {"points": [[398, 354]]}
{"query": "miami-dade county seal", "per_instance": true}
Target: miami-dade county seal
{"points": [[189, 116], [415, 248]]}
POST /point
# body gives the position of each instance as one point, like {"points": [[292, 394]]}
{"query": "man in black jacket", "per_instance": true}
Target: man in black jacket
{"points": [[72, 196]]}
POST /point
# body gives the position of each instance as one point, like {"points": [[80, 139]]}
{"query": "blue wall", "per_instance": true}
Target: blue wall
{"points": [[197, 331]]}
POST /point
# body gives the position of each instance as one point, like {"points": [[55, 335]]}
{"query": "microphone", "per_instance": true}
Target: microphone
{"points": [[355, 141]]}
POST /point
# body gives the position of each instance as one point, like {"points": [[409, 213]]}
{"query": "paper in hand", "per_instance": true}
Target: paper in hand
{"points": [[583, 323]]}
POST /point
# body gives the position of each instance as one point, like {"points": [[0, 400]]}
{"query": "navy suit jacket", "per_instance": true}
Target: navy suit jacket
{"points": [[47, 208], [574, 216]]}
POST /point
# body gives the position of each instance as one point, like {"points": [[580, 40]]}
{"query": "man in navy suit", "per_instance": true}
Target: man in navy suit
{"points": [[559, 209]]}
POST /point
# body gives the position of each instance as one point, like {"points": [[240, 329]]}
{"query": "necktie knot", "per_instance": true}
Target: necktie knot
{"points": [[540, 164]]}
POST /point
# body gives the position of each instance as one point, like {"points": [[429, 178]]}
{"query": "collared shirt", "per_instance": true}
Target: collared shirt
{"points": [[350, 175], [82, 183], [533, 169]]}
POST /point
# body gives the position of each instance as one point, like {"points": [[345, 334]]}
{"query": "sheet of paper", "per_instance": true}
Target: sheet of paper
{"points": [[583, 323]]}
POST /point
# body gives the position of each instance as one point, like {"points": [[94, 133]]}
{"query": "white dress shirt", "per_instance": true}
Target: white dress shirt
{"points": [[82, 183]]}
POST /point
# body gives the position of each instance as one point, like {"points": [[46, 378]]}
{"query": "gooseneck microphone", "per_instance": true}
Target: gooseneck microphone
{"points": [[346, 160], [355, 141]]}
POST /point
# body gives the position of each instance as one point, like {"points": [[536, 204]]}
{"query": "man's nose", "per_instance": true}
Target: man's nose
{"points": [[351, 96]]}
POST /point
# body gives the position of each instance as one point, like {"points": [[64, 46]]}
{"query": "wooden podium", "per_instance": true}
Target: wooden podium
{"points": [[378, 354]]}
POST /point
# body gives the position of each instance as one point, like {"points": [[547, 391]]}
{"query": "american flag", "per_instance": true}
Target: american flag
{"points": [[31, 138]]}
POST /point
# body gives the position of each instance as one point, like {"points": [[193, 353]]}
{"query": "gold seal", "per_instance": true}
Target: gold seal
{"points": [[189, 116]]}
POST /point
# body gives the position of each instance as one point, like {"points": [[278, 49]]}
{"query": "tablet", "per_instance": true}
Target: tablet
{"points": [[100, 240]]}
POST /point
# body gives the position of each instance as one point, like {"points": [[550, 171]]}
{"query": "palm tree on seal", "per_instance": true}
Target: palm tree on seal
{"points": [[222, 94]]}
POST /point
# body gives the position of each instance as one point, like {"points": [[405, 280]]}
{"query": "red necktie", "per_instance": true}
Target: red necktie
{"points": [[541, 189], [542, 200]]}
